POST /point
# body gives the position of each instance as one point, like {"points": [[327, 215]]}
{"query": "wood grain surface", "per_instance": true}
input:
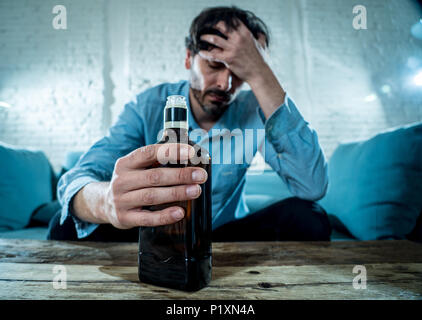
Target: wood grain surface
{"points": [[241, 270]]}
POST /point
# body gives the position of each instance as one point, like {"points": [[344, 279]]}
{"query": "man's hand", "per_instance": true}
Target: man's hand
{"points": [[241, 52], [133, 187], [244, 56]]}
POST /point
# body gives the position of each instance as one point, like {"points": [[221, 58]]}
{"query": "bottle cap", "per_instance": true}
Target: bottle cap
{"points": [[176, 113]]}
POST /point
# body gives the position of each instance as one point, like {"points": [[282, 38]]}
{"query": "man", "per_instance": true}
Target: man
{"points": [[104, 195]]}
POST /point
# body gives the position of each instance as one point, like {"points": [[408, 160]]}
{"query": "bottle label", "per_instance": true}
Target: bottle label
{"points": [[175, 125], [176, 114]]}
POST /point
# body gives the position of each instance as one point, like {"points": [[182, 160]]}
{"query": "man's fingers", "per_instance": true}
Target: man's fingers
{"points": [[139, 179], [221, 26], [146, 218], [163, 153], [213, 56], [171, 152], [159, 195], [215, 40]]}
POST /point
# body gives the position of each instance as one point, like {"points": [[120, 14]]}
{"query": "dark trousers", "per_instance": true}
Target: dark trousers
{"points": [[292, 219]]}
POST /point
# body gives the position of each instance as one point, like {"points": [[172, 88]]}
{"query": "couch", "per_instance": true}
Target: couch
{"points": [[374, 190]]}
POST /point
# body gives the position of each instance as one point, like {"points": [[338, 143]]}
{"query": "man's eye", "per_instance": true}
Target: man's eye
{"points": [[216, 65]]}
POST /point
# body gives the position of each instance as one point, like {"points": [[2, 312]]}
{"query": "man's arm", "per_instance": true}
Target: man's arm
{"points": [[244, 56], [110, 183], [294, 151], [89, 203], [96, 166], [121, 201], [268, 91]]}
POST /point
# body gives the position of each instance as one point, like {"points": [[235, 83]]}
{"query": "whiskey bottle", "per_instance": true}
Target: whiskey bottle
{"points": [[179, 255]]}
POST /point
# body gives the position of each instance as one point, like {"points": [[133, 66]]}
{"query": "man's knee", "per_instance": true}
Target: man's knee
{"points": [[308, 220]]}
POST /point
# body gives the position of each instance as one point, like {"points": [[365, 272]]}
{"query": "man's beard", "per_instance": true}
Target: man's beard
{"points": [[214, 109]]}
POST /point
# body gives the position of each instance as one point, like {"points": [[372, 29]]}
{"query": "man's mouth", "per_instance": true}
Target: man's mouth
{"points": [[219, 98]]}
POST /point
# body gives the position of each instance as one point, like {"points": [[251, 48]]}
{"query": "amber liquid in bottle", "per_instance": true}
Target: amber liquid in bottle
{"points": [[179, 255]]}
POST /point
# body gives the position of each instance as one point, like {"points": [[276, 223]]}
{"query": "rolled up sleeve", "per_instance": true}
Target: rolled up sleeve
{"points": [[295, 153], [97, 164]]}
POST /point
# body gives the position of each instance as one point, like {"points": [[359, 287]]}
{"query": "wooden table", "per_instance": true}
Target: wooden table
{"points": [[262, 270]]}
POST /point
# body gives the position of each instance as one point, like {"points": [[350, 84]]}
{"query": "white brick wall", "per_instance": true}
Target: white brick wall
{"points": [[66, 87], [51, 78]]}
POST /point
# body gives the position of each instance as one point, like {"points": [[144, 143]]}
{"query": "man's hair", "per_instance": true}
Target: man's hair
{"points": [[204, 24]]}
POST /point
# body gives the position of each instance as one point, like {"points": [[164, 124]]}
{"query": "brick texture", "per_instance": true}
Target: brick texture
{"points": [[66, 87]]}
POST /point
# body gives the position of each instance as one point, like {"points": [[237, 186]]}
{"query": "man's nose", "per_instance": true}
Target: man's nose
{"points": [[225, 80]]}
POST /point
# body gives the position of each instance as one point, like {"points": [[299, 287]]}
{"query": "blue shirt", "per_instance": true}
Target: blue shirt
{"points": [[290, 147]]}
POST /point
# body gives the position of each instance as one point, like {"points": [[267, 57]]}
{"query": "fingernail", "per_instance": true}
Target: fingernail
{"points": [[198, 175], [192, 191], [177, 214]]}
